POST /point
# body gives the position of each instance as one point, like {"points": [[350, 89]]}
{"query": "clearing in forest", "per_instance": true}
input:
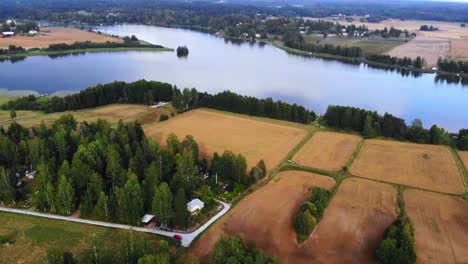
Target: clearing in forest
{"points": [[56, 35], [327, 151], [441, 226], [216, 131], [428, 167], [266, 216]]}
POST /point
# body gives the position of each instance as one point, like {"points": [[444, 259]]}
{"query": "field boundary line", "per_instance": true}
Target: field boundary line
{"points": [[355, 153], [461, 168]]}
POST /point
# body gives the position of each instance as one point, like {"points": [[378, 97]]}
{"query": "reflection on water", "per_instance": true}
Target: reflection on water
{"points": [[252, 68]]}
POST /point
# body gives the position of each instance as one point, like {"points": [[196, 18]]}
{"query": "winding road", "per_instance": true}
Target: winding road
{"points": [[187, 238]]}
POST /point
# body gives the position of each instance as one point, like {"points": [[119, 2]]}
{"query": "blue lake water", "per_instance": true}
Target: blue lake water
{"points": [[215, 65]]}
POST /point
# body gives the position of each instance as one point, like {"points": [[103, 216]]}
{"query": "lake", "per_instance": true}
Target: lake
{"points": [[260, 70]]}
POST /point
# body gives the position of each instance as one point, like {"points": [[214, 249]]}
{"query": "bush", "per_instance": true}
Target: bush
{"points": [[398, 243], [163, 117], [304, 223]]}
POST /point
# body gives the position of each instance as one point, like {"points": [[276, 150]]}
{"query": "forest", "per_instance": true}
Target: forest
{"points": [[144, 92], [114, 174], [371, 124]]}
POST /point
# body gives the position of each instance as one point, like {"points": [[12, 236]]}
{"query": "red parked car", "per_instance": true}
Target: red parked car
{"points": [[178, 237]]}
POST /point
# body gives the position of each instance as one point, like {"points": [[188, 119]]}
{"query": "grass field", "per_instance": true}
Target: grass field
{"points": [[429, 167], [112, 113], [441, 226], [35, 235], [464, 157], [54, 35], [327, 151], [353, 223], [369, 46], [266, 216], [215, 131]]}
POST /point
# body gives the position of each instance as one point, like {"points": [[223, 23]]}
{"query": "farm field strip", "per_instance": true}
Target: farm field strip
{"points": [[254, 220], [217, 132], [441, 226], [420, 166], [327, 151], [353, 223]]}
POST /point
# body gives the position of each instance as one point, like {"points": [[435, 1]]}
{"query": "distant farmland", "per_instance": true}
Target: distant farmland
{"points": [[429, 167], [441, 226], [327, 151], [215, 131]]}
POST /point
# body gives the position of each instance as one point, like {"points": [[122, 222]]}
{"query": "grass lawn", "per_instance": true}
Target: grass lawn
{"points": [[33, 236], [370, 46]]}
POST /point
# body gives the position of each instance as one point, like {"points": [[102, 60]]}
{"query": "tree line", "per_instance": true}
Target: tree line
{"points": [[452, 66], [397, 245], [144, 92], [109, 174], [395, 61], [97, 45], [311, 212], [371, 125]]}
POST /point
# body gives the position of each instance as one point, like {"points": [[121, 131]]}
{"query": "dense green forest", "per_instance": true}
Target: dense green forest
{"points": [[452, 66], [144, 92], [371, 125], [114, 174]]}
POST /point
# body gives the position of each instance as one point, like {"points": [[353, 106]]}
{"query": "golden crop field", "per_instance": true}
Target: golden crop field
{"points": [[215, 131], [429, 167], [327, 150]]}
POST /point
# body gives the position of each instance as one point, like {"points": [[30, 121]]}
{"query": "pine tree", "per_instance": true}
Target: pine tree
{"points": [[101, 211], [162, 203], [134, 200], [181, 214], [65, 196], [7, 194]]}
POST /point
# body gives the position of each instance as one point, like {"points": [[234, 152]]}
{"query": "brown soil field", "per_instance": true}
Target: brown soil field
{"points": [[353, 224], [266, 216], [441, 226], [459, 48], [327, 151], [112, 113], [54, 35], [464, 157], [423, 166], [255, 138], [429, 48]]}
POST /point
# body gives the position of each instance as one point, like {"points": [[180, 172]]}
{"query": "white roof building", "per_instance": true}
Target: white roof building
{"points": [[195, 205], [33, 32], [8, 33], [147, 218]]}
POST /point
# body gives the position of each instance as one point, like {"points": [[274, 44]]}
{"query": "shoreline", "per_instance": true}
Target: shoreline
{"points": [[74, 51]]}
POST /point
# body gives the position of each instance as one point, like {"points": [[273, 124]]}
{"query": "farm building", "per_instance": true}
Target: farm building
{"points": [[195, 206], [33, 32], [147, 218], [8, 34]]}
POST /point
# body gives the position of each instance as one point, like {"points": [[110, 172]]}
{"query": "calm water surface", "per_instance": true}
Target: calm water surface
{"points": [[214, 65]]}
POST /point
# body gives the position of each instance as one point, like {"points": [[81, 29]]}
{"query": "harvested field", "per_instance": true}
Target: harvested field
{"points": [[215, 131], [464, 157], [429, 48], [266, 216], [353, 224], [429, 167], [55, 35], [112, 113], [459, 48], [441, 226], [327, 151]]}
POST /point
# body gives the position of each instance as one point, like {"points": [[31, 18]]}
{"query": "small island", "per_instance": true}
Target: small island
{"points": [[182, 51]]}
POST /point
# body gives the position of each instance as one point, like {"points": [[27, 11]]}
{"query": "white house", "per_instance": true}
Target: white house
{"points": [[195, 205], [8, 34], [33, 32], [147, 218]]}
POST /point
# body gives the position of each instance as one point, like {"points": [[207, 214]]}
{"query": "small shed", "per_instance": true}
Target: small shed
{"points": [[33, 32], [8, 33], [195, 205], [147, 218]]}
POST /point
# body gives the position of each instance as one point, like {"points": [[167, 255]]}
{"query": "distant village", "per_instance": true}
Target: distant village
{"points": [[10, 28]]}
